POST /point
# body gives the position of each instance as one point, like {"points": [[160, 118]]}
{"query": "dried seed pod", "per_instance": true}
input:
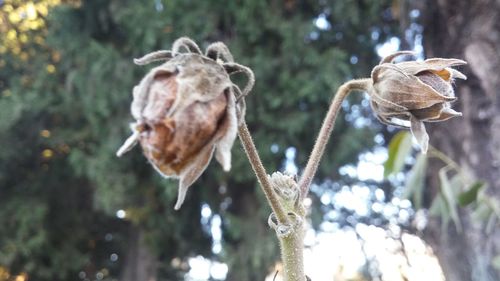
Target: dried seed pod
{"points": [[406, 94], [185, 109]]}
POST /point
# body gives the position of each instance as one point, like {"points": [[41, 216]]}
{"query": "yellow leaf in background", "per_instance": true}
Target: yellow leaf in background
{"points": [[31, 11], [42, 9], [47, 153], [51, 68], [23, 38], [12, 35], [14, 18], [45, 133], [8, 8]]}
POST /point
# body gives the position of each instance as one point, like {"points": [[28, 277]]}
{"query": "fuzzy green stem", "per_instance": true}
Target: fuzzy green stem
{"points": [[292, 255], [260, 172], [326, 130]]}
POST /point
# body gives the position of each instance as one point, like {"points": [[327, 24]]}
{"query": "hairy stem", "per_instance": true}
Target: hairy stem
{"points": [[292, 255], [260, 172], [326, 130]]}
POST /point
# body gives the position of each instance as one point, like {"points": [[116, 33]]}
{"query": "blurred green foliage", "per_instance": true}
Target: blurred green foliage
{"points": [[458, 188], [65, 110]]}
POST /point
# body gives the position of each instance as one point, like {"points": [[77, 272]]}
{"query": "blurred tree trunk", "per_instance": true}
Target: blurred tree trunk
{"points": [[140, 263], [468, 30], [252, 247]]}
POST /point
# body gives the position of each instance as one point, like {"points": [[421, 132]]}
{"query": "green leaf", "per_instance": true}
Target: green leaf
{"points": [[482, 212], [449, 196], [467, 197], [414, 187], [492, 221], [440, 209], [399, 149], [436, 206]]}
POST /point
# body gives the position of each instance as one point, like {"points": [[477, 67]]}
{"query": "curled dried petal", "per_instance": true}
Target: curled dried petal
{"points": [[457, 74], [419, 132], [446, 114], [192, 173], [390, 58], [226, 140]]}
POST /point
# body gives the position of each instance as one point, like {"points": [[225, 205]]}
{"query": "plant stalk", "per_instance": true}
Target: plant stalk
{"points": [[260, 172], [292, 255], [326, 129]]}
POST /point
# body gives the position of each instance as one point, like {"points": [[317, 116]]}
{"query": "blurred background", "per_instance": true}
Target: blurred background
{"points": [[71, 210]]}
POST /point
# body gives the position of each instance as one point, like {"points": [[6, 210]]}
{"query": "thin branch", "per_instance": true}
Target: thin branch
{"points": [[326, 130], [434, 152], [441, 156], [260, 172]]}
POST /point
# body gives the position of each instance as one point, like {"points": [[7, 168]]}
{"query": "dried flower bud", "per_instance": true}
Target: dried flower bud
{"points": [[185, 110], [284, 185], [406, 94]]}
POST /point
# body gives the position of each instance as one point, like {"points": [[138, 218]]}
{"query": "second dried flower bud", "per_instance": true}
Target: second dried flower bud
{"points": [[406, 94]]}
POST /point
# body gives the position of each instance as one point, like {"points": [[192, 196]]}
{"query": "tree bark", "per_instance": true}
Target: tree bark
{"points": [[253, 248], [140, 263], [467, 30]]}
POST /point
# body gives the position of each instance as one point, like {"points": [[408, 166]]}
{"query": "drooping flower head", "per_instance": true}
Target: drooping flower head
{"points": [[406, 94], [187, 108]]}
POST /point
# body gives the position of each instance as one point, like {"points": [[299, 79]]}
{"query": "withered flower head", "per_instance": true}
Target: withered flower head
{"points": [[187, 108], [406, 94]]}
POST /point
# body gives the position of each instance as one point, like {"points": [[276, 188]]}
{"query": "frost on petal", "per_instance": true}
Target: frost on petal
{"points": [[225, 143], [418, 130], [193, 172]]}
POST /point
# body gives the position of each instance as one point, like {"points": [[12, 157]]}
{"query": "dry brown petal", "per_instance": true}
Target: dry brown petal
{"points": [[418, 131], [172, 144], [227, 134], [193, 172], [406, 91], [456, 74], [437, 83], [431, 112], [389, 117], [198, 79], [445, 74], [415, 67], [390, 58], [446, 114]]}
